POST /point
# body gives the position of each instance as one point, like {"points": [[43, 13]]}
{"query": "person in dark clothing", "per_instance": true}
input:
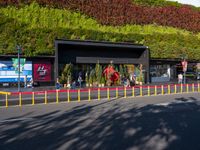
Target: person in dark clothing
{"points": [[58, 84]]}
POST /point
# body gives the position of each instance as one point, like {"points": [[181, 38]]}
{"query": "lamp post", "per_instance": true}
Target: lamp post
{"points": [[18, 54]]}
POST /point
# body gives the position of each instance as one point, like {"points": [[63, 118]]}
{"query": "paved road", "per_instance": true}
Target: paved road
{"points": [[39, 97], [143, 123]]}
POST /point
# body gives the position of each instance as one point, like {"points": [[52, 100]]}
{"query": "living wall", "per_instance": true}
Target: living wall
{"points": [[35, 28], [121, 12]]}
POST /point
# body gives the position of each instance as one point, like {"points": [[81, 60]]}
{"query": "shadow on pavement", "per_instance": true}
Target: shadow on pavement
{"points": [[106, 126]]}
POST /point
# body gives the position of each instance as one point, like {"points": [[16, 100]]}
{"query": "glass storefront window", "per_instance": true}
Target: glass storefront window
{"points": [[160, 73]]}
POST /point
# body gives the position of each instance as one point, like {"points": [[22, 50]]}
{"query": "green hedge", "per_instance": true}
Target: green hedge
{"points": [[35, 28]]}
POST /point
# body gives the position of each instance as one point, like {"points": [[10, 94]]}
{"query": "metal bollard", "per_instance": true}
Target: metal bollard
{"points": [[124, 92], [45, 97], [79, 95], [57, 97], [6, 100], [20, 99], [133, 91], [148, 90], [155, 93], [169, 90], [187, 88], [141, 94], [181, 88], [162, 90], [108, 93], [89, 95], [99, 94], [193, 87], [175, 89], [33, 98], [117, 93], [68, 96]]}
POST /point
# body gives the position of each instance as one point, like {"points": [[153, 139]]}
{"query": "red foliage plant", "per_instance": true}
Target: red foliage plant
{"points": [[120, 12]]}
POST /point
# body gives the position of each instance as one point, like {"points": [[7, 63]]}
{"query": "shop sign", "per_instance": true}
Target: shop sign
{"points": [[42, 71], [184, 65]]}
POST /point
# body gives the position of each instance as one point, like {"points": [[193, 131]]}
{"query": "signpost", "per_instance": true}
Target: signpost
{"points": [[19, 50], [184, 65]]}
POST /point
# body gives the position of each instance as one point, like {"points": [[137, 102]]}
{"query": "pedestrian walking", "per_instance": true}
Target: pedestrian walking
{"points": [[80, 80], [58, 84], [180, 78]]}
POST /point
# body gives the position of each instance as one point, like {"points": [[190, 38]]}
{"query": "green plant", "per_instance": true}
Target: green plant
{"points": [[103, 80], [92, 76], [121, 71], [66, 76], [36, 27], [87, 77], [98, 72]]}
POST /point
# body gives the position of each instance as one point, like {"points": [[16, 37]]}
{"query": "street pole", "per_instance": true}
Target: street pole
{"points": [[18, 50], [184, 77], [184, 65]]}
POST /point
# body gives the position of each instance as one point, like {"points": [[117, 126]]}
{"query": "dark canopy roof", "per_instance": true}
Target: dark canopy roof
{"points": [[100, 43]]}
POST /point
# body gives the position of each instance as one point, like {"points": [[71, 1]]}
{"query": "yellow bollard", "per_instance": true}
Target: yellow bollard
{"points": [[117, 94], [169, 90], [45, 97], [148, 90], [20, 99], [79, 95], [155, 93], [141, 91], [198, 88], [108, 93], [33, 98], [99, 94], [6, 100], [162, 90], [181, 88], [175, 89], [133, 91], [192, 87], [124, 92], [89, 95], [68, 96], [57, 97], [187, 88]]}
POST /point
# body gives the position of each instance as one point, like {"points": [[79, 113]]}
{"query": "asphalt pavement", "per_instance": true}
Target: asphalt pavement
{"points": [[169, 122]]}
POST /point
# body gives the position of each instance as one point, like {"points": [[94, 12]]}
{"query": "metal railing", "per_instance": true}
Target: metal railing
{"points": [[90, 94]]}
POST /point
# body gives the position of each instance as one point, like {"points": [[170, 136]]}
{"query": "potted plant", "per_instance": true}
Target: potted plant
{"points": [[66, 76], [102, 81], [91, 77]]}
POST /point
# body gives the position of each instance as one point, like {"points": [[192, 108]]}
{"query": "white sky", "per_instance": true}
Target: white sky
{"points": [[191, 2]]}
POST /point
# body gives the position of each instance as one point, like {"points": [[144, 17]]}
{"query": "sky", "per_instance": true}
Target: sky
{"points": [[191, 2]]}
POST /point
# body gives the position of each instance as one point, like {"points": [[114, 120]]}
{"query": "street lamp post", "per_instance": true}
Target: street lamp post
{"points": [[18, 54]]}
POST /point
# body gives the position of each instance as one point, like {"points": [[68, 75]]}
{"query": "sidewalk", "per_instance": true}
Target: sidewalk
{"points": [[42, 88]]}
